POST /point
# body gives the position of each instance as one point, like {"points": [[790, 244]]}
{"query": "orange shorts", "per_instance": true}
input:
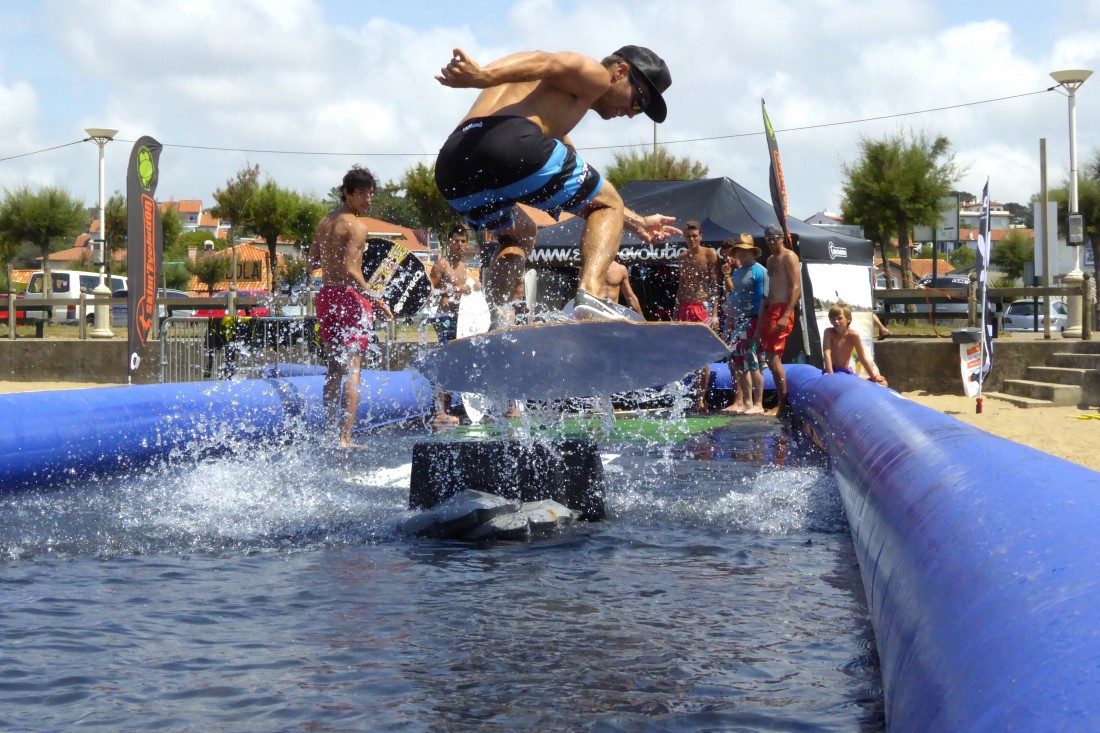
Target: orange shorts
{"points": [[693, 312], [346, 317], [773, 338]]}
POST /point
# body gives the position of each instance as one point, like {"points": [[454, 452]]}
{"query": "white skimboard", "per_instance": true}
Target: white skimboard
{"points": [[473, 319], [579, 359]]}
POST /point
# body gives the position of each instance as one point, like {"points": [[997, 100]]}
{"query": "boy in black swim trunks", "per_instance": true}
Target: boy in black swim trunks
{"points": [[513, 147]]}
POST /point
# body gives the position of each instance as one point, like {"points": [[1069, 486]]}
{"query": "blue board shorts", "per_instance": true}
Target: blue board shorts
{"points": [[489, 164]]}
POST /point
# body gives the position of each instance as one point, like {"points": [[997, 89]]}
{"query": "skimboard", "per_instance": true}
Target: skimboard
{"points": [[395, 276], [627, 312], [580, 359], [473, 319]]}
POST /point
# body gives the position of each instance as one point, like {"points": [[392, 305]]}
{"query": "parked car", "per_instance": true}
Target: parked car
{"points": [[66, 284], [218, 305], [942, 282], [296, 297], [20, 314], [164, 310], [1020, 316]]}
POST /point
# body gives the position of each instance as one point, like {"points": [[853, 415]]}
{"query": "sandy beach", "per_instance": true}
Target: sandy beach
{"points": [[1066, 432]]}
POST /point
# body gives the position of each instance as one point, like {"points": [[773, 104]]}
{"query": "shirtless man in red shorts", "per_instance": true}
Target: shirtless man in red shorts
{"points": [[784, 290], [344, 309], [697, 293]]}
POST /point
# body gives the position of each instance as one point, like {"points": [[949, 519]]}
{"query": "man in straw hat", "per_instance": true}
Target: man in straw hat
{"points": [[513, 147], [745, 284]]}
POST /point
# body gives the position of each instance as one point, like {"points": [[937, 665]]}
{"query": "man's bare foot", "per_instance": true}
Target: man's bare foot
{"points": [[443, 420], [513, 413], [735, 409], [754, 410], [350, 446]]}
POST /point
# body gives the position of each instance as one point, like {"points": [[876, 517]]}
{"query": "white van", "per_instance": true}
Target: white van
{"points": [[67, 284]]}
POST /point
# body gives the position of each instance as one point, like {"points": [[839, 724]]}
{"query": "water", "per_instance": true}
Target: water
{"points": [[268, 590]]}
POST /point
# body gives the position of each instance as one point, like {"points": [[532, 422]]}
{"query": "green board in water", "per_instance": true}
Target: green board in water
{"points": [[623, 429]]}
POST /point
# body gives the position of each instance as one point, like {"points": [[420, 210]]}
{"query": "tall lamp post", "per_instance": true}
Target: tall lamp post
{"points": [[1071, 80], [102, 324]]}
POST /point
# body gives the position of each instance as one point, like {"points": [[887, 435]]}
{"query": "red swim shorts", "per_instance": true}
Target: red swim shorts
{"points": [[693, 312], [773, 338], [345, 317]]}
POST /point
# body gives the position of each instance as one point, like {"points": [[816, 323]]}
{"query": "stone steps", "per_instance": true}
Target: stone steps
{"points": [[1057, 375], [1060, 382], [1017, 400], [1053, 394]]}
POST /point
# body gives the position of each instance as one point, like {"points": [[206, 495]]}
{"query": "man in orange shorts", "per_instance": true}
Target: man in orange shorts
{"points": [[345, 310], [777, 319]]}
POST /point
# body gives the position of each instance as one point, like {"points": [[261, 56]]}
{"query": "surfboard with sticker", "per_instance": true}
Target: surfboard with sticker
{"points": [[395, 276], [579, 359]]}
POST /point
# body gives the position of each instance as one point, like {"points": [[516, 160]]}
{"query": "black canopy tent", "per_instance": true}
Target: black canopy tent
{"points": [[724, 210]]}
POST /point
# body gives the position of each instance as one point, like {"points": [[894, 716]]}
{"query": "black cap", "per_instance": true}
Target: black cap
{"points": [[653, 70]]}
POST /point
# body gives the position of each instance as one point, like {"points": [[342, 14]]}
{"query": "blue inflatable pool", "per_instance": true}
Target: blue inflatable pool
{"points": [[979, 558], [50, 435]]}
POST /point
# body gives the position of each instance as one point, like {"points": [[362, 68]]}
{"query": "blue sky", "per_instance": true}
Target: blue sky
{"points": [[354, 80]]}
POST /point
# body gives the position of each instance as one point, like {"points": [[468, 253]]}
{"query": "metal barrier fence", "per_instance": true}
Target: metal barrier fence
{"points": [[200, 349]]}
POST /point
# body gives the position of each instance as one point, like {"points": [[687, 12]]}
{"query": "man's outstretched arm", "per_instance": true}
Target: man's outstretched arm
{"points": [[574, 73]]}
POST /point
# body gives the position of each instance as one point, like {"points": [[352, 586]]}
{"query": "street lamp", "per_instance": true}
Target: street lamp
{"points": [[102, 325], [1071, 80]]}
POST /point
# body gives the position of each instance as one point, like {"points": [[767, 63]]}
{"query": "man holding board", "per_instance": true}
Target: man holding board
{"points": [[513, 147], [346, 310]]}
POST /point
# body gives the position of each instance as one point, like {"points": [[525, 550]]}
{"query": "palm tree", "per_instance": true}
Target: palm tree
{"points": [[47, 219], [655, 164], [896, 184], [272, 212]]}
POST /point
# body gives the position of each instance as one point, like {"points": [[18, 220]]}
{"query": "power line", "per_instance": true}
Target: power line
{"points": [[605, 147], [44, 150]]}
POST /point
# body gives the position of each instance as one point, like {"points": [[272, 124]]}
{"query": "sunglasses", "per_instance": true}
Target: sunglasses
{"points": [[640, 101]]}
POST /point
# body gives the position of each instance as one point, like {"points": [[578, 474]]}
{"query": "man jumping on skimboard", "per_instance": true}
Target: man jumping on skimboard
{"points": [[513, 147]]}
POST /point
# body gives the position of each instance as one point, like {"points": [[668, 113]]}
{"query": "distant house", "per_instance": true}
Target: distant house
{"points": [[969, 214], [193, 219], [252, 271], [834, 222]]}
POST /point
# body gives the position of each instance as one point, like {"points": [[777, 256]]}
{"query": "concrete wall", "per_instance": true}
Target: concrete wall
{"points": [[102, 362], [910, 365], [925, 365]]}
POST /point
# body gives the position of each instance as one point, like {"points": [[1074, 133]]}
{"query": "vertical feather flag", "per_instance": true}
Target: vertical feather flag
{"points": [[144, 247], [811, 340], [982, 271]]}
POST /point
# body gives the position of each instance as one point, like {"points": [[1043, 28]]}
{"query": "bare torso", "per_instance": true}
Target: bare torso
{"points": [[452, 279], [780, 267], [840, 346], [338, 250], [698, 275], [554, 111]]}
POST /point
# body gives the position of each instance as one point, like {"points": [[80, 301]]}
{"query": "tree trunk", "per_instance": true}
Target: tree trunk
{"points": [[271, 259], [903, 251]]}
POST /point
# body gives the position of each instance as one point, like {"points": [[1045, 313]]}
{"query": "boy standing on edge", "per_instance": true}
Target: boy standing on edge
{"points": [[345, 310], [777, 319], [839, 343]]}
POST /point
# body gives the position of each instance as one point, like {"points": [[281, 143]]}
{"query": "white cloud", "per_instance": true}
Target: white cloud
{"points": [[291, 76]]}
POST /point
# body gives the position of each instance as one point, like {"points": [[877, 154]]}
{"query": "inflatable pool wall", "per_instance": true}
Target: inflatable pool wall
{"points": [[979, 557], [70, 433]]}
